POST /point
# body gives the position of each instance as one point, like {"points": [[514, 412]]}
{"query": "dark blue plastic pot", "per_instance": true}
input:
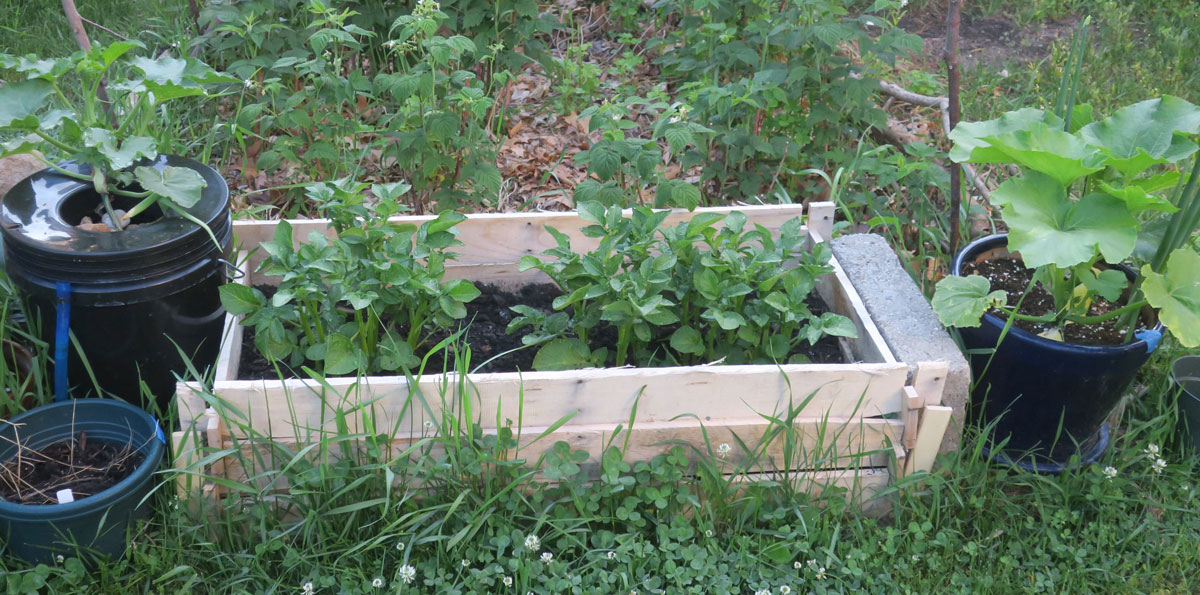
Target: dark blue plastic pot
{"points": [[98, 523], [1047, 399]]}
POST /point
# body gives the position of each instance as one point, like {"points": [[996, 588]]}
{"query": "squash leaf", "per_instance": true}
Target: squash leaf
{"points": [[1176, 294]]}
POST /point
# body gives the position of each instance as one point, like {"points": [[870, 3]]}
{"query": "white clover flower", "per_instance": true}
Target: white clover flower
{"points": [[811, 563], [59, 559], [916, 557], [708, 533], [547, 557], [1158, 465], [1152, 451], [378, 582], [400, 545], [532, 542], [784, 589], [508, 581], [797, 565], [465, 563], [821, 573], [611, 555], [307, 587], [724, 449], [407, 574], [428, 424], [1110, 472], [763, 592]]}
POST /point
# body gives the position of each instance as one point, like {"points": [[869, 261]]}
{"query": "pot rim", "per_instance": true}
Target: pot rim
{"points": [[153, 451], [1022, 334]]}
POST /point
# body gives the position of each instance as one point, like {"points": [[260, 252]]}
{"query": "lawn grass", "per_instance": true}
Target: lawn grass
{"points": [[39, 27]]}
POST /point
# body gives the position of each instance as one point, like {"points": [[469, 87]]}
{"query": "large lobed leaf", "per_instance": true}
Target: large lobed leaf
{"points": [[962, 301], [1052, 151], [1048, 228], [1145, 133], [20, 101], [1176, 293], [968, 137]]}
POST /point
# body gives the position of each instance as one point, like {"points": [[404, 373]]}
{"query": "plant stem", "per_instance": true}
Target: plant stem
{"points": [[1050, 318]]}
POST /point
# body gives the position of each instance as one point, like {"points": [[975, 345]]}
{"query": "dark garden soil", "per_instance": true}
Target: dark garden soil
{"points": [[86, 467], [1011, 275], [487, 319], [993, 39]]}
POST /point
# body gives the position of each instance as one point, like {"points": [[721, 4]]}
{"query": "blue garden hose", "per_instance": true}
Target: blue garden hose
{"points": [[62, 339]]}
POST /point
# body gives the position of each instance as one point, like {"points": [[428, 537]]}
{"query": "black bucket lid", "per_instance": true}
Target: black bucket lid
{"points": [[46, 248]]}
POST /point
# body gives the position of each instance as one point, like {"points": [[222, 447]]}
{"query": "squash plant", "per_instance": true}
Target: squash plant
{"points": [[1084, 192], [679, 295], [364, 301], [58, 104]]}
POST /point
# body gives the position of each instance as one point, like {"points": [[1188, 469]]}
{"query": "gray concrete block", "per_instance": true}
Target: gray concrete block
{"points": [[905, 318]]}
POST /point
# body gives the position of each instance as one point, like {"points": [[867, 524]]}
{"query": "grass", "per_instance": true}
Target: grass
{"points": [[40, 27], [967, 527]]}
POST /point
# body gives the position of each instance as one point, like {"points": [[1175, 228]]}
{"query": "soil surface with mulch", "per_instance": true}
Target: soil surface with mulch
{"points": [[86, 467], [1011, 275], [494, 350]]}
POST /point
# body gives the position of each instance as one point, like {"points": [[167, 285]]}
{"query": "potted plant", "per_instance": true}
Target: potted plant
{"points": [[75, 474], [119, 243], [1055, 325]]}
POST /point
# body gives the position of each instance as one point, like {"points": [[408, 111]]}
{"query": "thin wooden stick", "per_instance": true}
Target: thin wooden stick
{"points": [[76, 23], [951, 57]]}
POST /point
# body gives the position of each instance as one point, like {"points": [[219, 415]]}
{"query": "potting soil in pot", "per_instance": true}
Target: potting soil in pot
{"points": [[86, 467], [1011, 275], [486, 322]]}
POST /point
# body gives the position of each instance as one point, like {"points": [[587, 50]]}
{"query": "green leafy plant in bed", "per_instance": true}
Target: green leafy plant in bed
{"points": [[1085, 190], [363, 301], [705, 290]]}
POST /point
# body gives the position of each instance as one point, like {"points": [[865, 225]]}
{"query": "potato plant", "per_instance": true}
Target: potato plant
{"points": [[363, 301], [690, 293]]}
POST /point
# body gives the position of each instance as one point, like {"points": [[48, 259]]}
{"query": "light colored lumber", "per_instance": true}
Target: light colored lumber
{"points": [[231, 336], [495, 242], [820, 219], [934, 420], [839, 294], [910, 413], [718, 394], [930, 381]]}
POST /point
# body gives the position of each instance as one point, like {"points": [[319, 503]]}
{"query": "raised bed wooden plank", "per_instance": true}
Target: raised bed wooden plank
{"points": [[718, 394]]}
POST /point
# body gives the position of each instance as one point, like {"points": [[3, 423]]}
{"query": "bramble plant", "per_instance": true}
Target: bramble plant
{"points": [[1085, 190], [59, 104], [365, 300], [678, 295]]}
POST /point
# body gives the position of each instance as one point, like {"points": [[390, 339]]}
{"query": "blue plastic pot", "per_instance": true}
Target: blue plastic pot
{"points": [[98, 523], [1048, 399]]}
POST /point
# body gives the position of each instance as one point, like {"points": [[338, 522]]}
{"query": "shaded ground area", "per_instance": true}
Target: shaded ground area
{"points": [[992, 40]]}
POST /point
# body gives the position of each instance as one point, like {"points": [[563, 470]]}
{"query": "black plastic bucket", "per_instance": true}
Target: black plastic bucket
{"points": [[1033, 386], [97, 523], [137, 297], [1185, 373]]}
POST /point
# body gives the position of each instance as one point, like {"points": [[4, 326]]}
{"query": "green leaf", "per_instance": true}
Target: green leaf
{"points": [[562, 354], [1047, 228], [463, 291], [123, 156], [180, 185], [110, 53], [728, 320], [686, 339], [1139, 135], [962, 301], [685, 195], [678, 138], [968, 137], [1109, 284], [1137, 199], [836, 325], [19, 101], [1176, 294], [604, 162], [241, 300], [591, 210], [707, 283], [341, 355], [1051, 151]]}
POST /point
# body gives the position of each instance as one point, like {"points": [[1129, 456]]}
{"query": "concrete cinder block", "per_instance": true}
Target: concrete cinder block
{"points": [[905, 319]]}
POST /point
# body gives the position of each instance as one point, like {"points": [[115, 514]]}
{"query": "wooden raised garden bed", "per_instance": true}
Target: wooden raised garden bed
{"points": [[867, 422]]}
